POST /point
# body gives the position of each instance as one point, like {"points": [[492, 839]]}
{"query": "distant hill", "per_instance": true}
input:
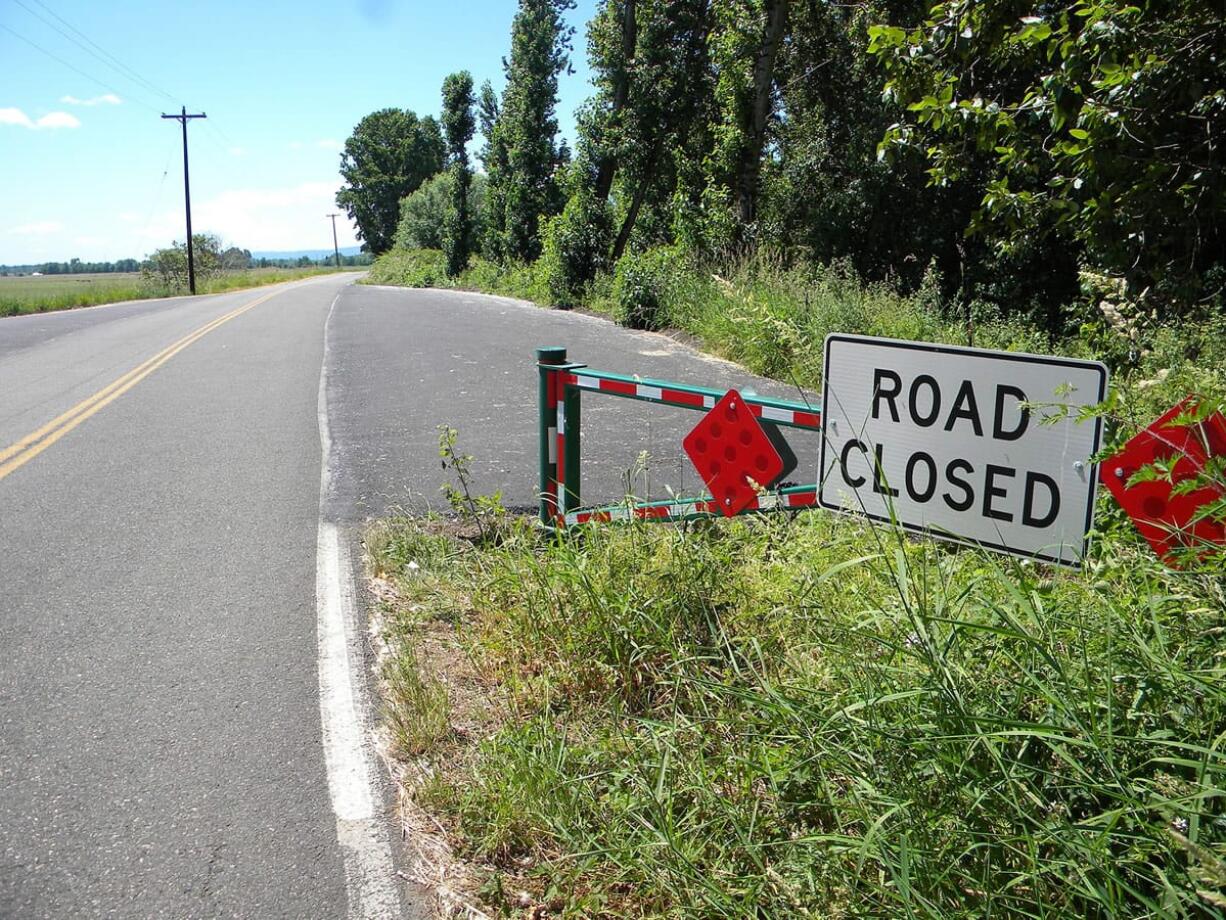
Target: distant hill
{"points": [[309, 253]]}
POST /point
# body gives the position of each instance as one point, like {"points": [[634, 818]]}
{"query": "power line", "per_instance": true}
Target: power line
{"points": [[157, 198], [221, 135], [102, 54], [71, 67]]}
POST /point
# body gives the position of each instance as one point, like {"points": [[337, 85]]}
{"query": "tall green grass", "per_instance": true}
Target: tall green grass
{"points": [[814, 717]]}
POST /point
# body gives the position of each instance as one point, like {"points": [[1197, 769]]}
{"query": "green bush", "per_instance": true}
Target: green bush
{"points": [[424, 213], [576, 247], [421, 268], [642, 286]]}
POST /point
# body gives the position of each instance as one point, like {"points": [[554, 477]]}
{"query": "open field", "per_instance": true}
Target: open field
{"points": [[29, 294]]}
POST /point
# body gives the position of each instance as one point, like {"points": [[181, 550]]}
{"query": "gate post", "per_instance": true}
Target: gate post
{"points": [[547, 362]]}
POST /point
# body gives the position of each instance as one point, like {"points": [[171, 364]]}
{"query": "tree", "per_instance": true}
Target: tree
{"points": [[235, 259], [494, 160], [746, 42], [167, 268], [523, 152], [424, 213], [459, 124], [390, 154], [824, 191], [1094, 121], [648, 121], [612, 41]]}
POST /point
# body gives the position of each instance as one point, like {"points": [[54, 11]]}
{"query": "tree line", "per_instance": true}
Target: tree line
{"points": [[210, 256], [72, 267], [1000, 148]]}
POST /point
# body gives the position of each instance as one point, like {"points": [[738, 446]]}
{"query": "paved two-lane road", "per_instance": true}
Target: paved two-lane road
{"points": [[183, 702]]}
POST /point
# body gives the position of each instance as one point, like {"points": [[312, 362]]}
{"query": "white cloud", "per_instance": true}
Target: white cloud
{"points": [[295, 145], [12, 116], [104, 99], [237, 151], [58, 120], [38, 228], [15, 117], [290, 217]]}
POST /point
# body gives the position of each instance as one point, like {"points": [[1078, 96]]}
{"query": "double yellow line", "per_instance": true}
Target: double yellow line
{"points": [[33, 444]]}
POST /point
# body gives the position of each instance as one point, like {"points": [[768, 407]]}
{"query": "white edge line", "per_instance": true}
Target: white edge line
{"points": [[369, 869]]}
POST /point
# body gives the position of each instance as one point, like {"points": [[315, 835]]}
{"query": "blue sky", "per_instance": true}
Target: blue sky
{"points": [[89, 169]]}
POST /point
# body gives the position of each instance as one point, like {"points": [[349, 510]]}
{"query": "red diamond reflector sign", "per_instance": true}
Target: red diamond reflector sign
{"points": [[1164, 515], [731, 453]]}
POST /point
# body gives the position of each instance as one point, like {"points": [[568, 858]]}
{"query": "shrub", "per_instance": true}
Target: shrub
{"points": [[576, 247], [421, 268], [166, 269], [424, 213], [642, 284]]}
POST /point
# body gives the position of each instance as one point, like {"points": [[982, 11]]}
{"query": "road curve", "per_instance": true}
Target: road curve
{"points": [[184, 716]]}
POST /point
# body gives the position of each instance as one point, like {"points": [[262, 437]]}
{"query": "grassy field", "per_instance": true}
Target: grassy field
{"points": [[814, 716], [28, 294]]}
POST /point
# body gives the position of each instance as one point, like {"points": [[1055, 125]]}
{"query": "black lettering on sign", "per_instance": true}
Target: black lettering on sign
{"points": [[880, 486], [965, 407], [880, 393], [998, 428], [859, 480], [917, 458], [928, 381], [1029, 518], [968, 494], [991, 491]]}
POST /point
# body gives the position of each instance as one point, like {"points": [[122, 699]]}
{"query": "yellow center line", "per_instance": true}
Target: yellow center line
{"points": [[33, 444]]}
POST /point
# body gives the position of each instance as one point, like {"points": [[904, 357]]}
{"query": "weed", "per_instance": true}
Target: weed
{"points": [[485, 511], [416, 706]]}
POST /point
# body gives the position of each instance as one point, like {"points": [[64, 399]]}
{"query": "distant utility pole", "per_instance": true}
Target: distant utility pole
{"points": [[335, 248], [183, 118]]}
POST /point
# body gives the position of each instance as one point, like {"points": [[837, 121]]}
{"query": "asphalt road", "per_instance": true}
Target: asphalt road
{"points": [[184, 720]]}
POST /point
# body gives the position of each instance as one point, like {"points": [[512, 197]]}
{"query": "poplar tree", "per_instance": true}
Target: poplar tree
{"points": [[746, 43], [648, 121], [523, 153], [459, 124]]}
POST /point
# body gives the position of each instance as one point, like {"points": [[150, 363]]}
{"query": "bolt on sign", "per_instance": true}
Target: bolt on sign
{"points": [[965, 444]]}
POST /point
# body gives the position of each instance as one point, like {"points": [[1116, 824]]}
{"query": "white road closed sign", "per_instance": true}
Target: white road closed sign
{"points": [[962, 443]]}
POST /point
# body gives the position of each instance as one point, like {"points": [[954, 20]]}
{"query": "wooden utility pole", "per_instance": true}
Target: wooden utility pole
{"points": [[183, 118], [335, 248]]}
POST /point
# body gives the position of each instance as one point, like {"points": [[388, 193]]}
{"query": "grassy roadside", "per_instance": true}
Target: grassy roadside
{"points": [[813, 716], [20, 295], [809, 717]]}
